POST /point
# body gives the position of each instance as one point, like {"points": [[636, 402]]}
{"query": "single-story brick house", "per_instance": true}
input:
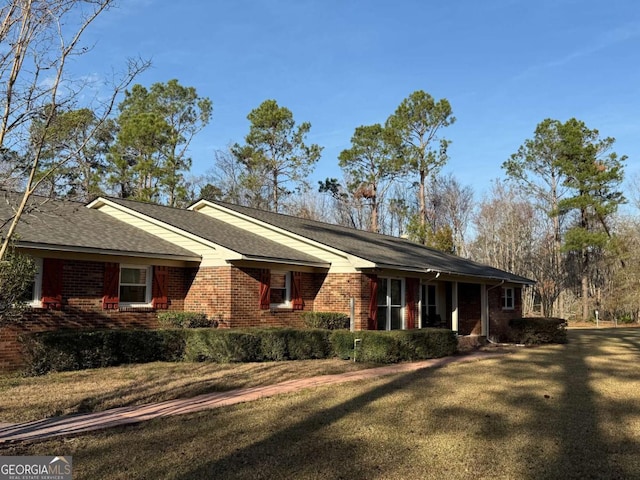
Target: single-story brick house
{"points": [[115, 263]]}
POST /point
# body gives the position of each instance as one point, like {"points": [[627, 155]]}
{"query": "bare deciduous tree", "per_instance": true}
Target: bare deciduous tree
{"points": [[38, 38]]}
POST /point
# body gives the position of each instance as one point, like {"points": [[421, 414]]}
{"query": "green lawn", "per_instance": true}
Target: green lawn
{"points": [[565, 412]]}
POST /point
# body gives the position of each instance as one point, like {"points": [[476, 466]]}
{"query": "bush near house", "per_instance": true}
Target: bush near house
{"points": [[80, 349], [395, 346], [173, 319], [327, 320], [535, 331], [77, 350]]}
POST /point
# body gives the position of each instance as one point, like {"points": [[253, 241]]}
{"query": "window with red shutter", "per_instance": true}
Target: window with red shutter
{"points": [[373, 303], [296, 291], [110, 290], [52, 283], [265, 289], [160, 288]]}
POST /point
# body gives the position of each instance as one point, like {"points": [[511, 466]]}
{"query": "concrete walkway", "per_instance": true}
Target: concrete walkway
{"points": [[75, 424]]}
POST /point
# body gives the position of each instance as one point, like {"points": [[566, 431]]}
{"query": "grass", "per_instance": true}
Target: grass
{"points": [[24, 399], [569, 411]]}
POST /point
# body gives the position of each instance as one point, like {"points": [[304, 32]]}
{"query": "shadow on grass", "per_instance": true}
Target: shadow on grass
{"points": [[582, 428], [289, 453]]}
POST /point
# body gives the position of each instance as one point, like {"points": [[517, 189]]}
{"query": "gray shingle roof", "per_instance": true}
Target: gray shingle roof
{"points": [[246, 243], [63, 224], [383, 250]]}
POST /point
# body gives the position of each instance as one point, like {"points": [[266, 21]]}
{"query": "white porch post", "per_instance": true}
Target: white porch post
{"points": [[454, 306], [484, 310]]}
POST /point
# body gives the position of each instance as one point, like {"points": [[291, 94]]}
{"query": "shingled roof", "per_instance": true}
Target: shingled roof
{"points": [[248, 244], [66, 225], [383, 250]]}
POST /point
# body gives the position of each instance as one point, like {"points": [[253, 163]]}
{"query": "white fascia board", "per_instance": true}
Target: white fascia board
{"points": [[225, 253], [355, 261], [100, 251]]}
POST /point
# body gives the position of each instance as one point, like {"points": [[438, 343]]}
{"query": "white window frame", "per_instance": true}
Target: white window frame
{"points": [[389, 305], [505, 298], [287, 289], [435, 303], [149, 283], [36, 300]]}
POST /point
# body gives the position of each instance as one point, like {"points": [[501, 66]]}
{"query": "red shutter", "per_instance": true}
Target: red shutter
{"points": [[160, 288], [111, 286], [373, 303], [412, 287], [52, 283], [296, 291], [265, 289]]}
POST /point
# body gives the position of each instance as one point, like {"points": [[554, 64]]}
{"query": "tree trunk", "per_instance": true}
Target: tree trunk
{"points": [[423, 201], [585, 285]]}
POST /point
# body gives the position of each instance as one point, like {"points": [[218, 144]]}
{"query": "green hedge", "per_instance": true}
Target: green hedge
{"points": [[534, 331], [327, 320], [76, 350], [395, 346], [173, 319]]}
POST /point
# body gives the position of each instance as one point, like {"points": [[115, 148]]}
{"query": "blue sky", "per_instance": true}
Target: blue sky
{"points": [[504, 65]]}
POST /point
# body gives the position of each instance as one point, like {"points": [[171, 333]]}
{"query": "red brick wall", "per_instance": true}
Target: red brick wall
{"points": [[82, 309], [498, 316], [469, 309], [232, 294], [209, 291]]}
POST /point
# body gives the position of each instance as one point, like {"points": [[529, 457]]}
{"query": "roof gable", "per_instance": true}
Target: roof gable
{"points": [[382, 250], [66, 225], [247, 244]]}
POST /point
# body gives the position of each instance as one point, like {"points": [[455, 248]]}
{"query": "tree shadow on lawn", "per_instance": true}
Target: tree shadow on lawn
{"points": [[549, 414], [582, 432], [302, 445]]}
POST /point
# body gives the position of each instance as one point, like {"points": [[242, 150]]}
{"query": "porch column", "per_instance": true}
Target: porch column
{"points": [[484, 310], [454, 306]]}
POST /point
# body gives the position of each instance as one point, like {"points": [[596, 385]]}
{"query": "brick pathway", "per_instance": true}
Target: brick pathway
{"points": [[74, 424]]}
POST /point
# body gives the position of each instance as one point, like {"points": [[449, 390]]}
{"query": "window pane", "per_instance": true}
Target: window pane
{"points": [[277, 296], [382, 318], [382, 291], [396, 291], [133, 275], [396, 318], [29, 293], [133, 293], [278, 280], [432, 295]]}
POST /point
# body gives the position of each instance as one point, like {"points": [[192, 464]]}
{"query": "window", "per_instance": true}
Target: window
{"points": [[135, 285], [280, 289], [428, 307], [33, 294], [508, 298], [390, 303]]}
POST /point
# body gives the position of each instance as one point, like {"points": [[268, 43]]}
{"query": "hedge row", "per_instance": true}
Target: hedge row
{"points": [[328, 320], [535, 331], [395, 346], [75, 350]]}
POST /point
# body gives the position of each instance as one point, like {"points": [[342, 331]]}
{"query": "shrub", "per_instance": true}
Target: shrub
{"points": [[171, 319], [395, 346], [342, 343], [290, 344], [326, 320], [76, 350], [309, 344], [222, 346], [534, 331]]}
